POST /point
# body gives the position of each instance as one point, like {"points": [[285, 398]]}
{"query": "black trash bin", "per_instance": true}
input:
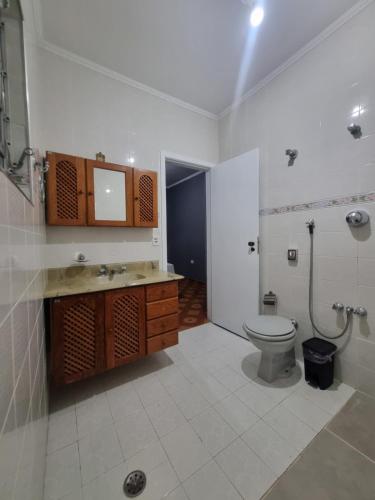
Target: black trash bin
{"points": [[319, 357]]}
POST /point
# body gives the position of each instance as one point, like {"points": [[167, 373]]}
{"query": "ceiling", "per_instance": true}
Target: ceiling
{"points": [[192, 50], [176, 172]]}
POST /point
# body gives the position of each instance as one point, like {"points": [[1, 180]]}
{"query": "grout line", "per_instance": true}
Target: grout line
{"points": [[23, 294], [349, 445]]}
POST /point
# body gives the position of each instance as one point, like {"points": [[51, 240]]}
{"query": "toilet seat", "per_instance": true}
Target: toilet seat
{"points": [[270, 328]]}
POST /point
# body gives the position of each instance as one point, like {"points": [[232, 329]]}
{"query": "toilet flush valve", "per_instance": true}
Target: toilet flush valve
{"points": [[360, 311]]}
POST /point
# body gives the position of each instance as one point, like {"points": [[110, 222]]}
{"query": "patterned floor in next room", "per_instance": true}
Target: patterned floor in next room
{"points": [[192, 303], [195, 418]]}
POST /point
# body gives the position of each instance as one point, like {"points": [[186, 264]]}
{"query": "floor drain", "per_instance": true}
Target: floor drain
{"points": [[134, 483]]}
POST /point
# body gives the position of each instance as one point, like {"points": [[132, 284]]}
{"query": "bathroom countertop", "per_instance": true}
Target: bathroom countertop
{"points": [[84, 279]]}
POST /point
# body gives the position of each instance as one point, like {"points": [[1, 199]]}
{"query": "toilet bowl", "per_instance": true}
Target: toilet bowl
{"points": [[275, 337]]}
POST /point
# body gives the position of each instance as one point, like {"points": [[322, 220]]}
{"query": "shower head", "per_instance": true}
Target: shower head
{"points": [[292, 153]]}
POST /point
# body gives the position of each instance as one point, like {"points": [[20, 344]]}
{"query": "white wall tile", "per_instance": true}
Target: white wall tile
{"points": [[23, 372], [330, 164]]}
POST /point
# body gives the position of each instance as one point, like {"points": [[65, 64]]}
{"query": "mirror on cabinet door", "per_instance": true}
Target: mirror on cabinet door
{"points": [[110, 196]]}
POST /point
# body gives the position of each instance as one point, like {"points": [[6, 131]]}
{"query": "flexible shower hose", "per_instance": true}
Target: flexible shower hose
{"points": [[311, 279]]}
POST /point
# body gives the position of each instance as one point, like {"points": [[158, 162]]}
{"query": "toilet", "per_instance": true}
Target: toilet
{"points": [[275, 336]]}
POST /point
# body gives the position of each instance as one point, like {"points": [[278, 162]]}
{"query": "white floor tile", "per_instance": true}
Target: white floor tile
{"points": [[165, 416], [108, 486], [290, 427], [62, 430], [150, 390], [213, 431], [135, 433], [211, 389], [230, 378], [185, 451], [148, 459], [89, 441], [255, 399], [92, 414], [249, 474], [330, 400], [62, 473], [190, 401], [307, 411], [160, 482], [278, 390], [275, 451], [210, 483], [99, 451], [75, 495], [123, 401], [236, 413], [245, 367]]}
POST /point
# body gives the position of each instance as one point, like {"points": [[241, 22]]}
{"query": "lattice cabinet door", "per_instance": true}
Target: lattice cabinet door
{"points": [[66, 190], [145, 198], [77, 337], [125, 325]]}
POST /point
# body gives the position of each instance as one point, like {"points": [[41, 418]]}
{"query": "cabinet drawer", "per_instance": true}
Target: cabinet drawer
{"points": [[161, 291], [162, 308], [161, 342], [161, 325]]}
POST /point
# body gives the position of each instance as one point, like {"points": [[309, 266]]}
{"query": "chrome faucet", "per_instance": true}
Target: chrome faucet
{"points": [[120, 270], [105, 271]]}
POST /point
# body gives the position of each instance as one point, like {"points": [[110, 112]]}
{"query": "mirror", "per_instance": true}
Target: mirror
{"points": [[15, 151], [109, 195]]}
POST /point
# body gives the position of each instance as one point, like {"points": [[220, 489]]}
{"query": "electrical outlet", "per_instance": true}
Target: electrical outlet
{"points": [[155, 238]]}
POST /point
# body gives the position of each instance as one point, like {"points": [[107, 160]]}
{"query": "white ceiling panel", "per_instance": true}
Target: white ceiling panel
{"points": [[192, 50]]}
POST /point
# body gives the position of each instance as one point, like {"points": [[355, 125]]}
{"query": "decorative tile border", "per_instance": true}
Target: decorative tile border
{"points": [[312, 205]]}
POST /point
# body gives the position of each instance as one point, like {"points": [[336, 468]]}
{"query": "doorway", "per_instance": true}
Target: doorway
{"points": [[187, 239]]}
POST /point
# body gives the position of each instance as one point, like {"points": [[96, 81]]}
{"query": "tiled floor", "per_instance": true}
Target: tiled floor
{"points": [[195, 418], [339, 463]]}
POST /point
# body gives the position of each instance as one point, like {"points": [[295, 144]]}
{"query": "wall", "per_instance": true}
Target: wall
{"points": [[23, 401], [308, 107], [186, 221], [85, 112]]}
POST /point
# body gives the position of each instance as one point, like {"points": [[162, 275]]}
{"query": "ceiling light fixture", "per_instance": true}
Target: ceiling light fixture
{"points": [[256, 16]]}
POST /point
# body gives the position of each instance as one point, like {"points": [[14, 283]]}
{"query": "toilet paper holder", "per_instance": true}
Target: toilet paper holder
{"points": [[270, 299]]}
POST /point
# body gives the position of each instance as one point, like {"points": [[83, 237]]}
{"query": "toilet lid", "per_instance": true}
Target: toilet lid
{"points": [[270, 326]]}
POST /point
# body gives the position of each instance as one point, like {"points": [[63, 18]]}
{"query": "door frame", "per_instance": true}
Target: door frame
{"points": [[196, 165]]}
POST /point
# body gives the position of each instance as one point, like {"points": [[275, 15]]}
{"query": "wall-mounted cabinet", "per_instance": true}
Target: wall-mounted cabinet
{"points": [[145, 198], [83, 192], [66, 188], [109, 194]]}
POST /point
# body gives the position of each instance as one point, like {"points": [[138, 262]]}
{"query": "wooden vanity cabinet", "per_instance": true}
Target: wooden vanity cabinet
{"points": [[162, 316], [124, 325], [94, 332], [66, 190], [78, 343], [82, 192]]}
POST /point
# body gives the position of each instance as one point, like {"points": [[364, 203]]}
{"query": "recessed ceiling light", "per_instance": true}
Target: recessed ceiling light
{"points": [[256, 16]]}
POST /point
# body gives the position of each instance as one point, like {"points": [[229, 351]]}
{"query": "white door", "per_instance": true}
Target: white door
{"points": [[235, 225]]}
